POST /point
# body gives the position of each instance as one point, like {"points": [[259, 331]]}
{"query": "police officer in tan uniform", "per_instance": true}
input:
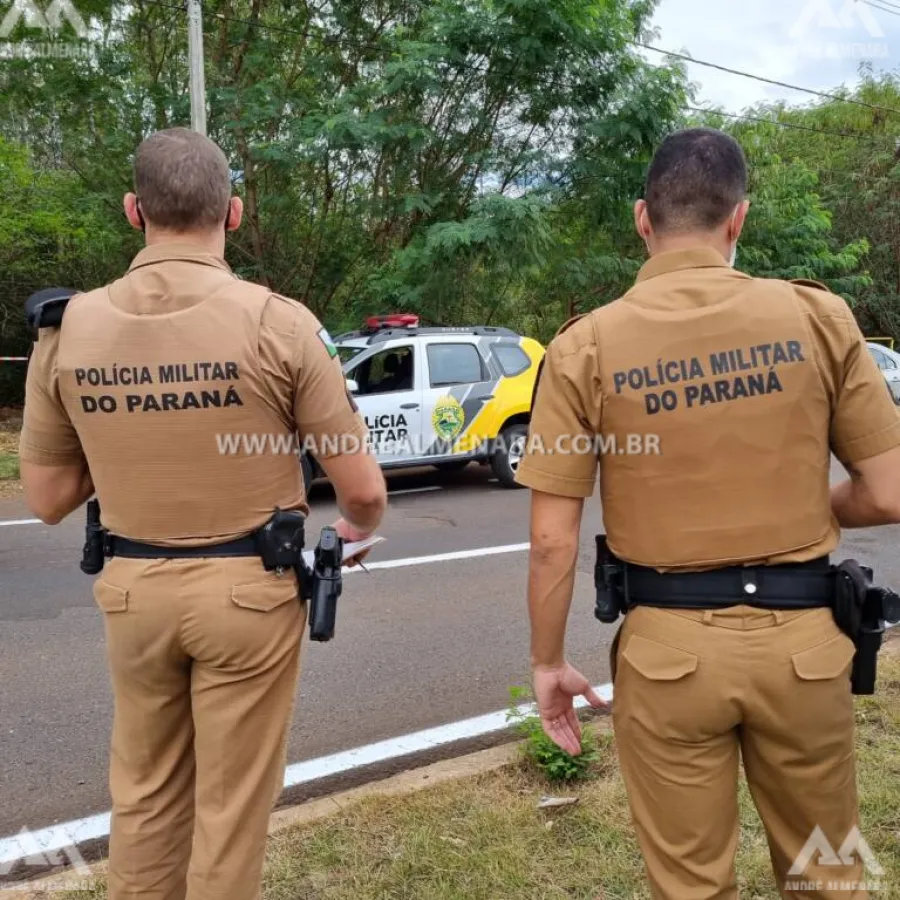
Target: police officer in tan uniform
{"points": [[711, 402], [135, 397]]}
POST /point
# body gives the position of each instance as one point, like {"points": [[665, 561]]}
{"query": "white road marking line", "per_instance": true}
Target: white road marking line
{"points": [[419, 490], [68, 834], [315, 769], [441, 557], [21, 522]]}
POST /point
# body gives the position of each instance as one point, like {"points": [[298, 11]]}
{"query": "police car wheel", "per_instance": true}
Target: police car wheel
{"points": [[509, 453]]}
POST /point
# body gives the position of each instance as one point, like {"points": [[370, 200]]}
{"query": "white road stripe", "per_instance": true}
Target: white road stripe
{"points": [[419, 490], [20, 522], [439, 557], [68, 834]]}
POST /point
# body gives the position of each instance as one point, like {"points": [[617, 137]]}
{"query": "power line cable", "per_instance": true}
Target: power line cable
{"points": [[787, 125], [884, 6], [784, 84]]}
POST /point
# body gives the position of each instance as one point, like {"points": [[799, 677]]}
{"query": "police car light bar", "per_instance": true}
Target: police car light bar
{"points": [[395, 320]]}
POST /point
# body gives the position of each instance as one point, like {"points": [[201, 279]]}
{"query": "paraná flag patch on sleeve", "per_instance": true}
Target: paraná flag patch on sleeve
{"points": [[325, 338]]}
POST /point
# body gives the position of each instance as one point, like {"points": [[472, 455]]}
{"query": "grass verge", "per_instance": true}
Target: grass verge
{"points": [[9, 466], [10, 425], [483, 838]]}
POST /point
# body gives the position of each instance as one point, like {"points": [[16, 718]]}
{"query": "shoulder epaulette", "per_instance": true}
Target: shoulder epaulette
{"points": [[45, 309], [567, 325], [806, 282]]}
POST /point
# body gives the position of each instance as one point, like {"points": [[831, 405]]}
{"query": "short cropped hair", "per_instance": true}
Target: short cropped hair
{"points": [[182, 180], [697, 178]]}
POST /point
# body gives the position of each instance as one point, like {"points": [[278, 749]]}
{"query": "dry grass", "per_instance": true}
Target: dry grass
{"points": [[483, 838]]}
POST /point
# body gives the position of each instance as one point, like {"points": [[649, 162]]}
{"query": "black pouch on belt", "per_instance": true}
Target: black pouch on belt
{"points": [[850, 589]]}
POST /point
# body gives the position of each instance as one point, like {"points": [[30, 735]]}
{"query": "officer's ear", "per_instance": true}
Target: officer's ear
{"points": [[737, 221], [642, 220], [133, 212], [640, 215], [235, 214]]}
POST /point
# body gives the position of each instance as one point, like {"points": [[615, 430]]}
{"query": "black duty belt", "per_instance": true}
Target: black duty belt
{"points": [[795, 586], [122, 547]]}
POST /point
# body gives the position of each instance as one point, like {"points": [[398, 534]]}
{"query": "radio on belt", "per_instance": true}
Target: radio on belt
{"points": [[45, 308]]}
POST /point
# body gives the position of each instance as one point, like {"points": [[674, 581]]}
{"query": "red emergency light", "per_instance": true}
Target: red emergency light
{"points": [[395, 320]]}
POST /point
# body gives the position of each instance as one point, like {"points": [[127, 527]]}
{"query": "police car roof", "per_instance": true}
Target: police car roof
{"points": [[390, 334]]}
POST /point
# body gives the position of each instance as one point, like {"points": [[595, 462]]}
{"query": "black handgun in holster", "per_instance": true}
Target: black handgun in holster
{"points": [[280, 542], [861, 610], [93, 554], [609, 580], [326, 584]]}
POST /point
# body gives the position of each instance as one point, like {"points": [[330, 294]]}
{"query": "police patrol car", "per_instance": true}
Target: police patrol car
{"points": [[440, 396]]}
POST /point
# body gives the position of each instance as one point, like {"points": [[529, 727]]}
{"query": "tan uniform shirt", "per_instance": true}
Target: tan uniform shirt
{"points": [[188, 393], [710, 402]]}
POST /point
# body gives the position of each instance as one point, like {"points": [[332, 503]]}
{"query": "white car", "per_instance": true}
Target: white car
{"points": [[889, 362]]}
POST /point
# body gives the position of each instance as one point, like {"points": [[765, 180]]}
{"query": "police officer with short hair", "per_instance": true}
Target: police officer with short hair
{"points": [[136, 396], [718, 400]]}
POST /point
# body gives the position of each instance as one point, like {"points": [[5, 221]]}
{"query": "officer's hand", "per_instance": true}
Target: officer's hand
{"points": [[351, 535], [554, 691]]}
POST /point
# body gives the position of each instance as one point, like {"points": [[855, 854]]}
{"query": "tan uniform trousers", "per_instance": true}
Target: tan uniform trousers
{"points": [[694, 691], [204, 656]]}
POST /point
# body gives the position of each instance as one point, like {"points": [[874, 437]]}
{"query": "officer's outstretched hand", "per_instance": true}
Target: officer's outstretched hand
{"points": [[554, 691]]}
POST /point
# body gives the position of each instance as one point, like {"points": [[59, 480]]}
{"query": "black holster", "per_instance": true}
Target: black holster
{"points": [[325, 585], [861, 610], [93, 554], [609, 581], [281, 543]]}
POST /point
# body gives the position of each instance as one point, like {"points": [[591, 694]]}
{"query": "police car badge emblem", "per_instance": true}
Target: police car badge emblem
{"points": [[448, 418]]}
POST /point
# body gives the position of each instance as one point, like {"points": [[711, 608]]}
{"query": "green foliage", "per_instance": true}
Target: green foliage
{"points": [[433, 157], [9, 466], [835, 174], [53, 231], [552, 761], [475, 162]]}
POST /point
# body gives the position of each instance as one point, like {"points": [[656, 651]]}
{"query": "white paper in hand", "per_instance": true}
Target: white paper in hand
{"points": [[351, 549]]}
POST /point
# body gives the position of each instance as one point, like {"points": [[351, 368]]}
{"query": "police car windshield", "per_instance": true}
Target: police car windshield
{"points": [[347, 353]]}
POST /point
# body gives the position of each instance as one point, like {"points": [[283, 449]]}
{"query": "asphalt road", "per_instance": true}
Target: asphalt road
{"points": [[416, 646]]}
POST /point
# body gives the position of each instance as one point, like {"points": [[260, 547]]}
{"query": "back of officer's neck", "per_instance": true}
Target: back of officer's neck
{"points": [[211, 242], [693, 241]]}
